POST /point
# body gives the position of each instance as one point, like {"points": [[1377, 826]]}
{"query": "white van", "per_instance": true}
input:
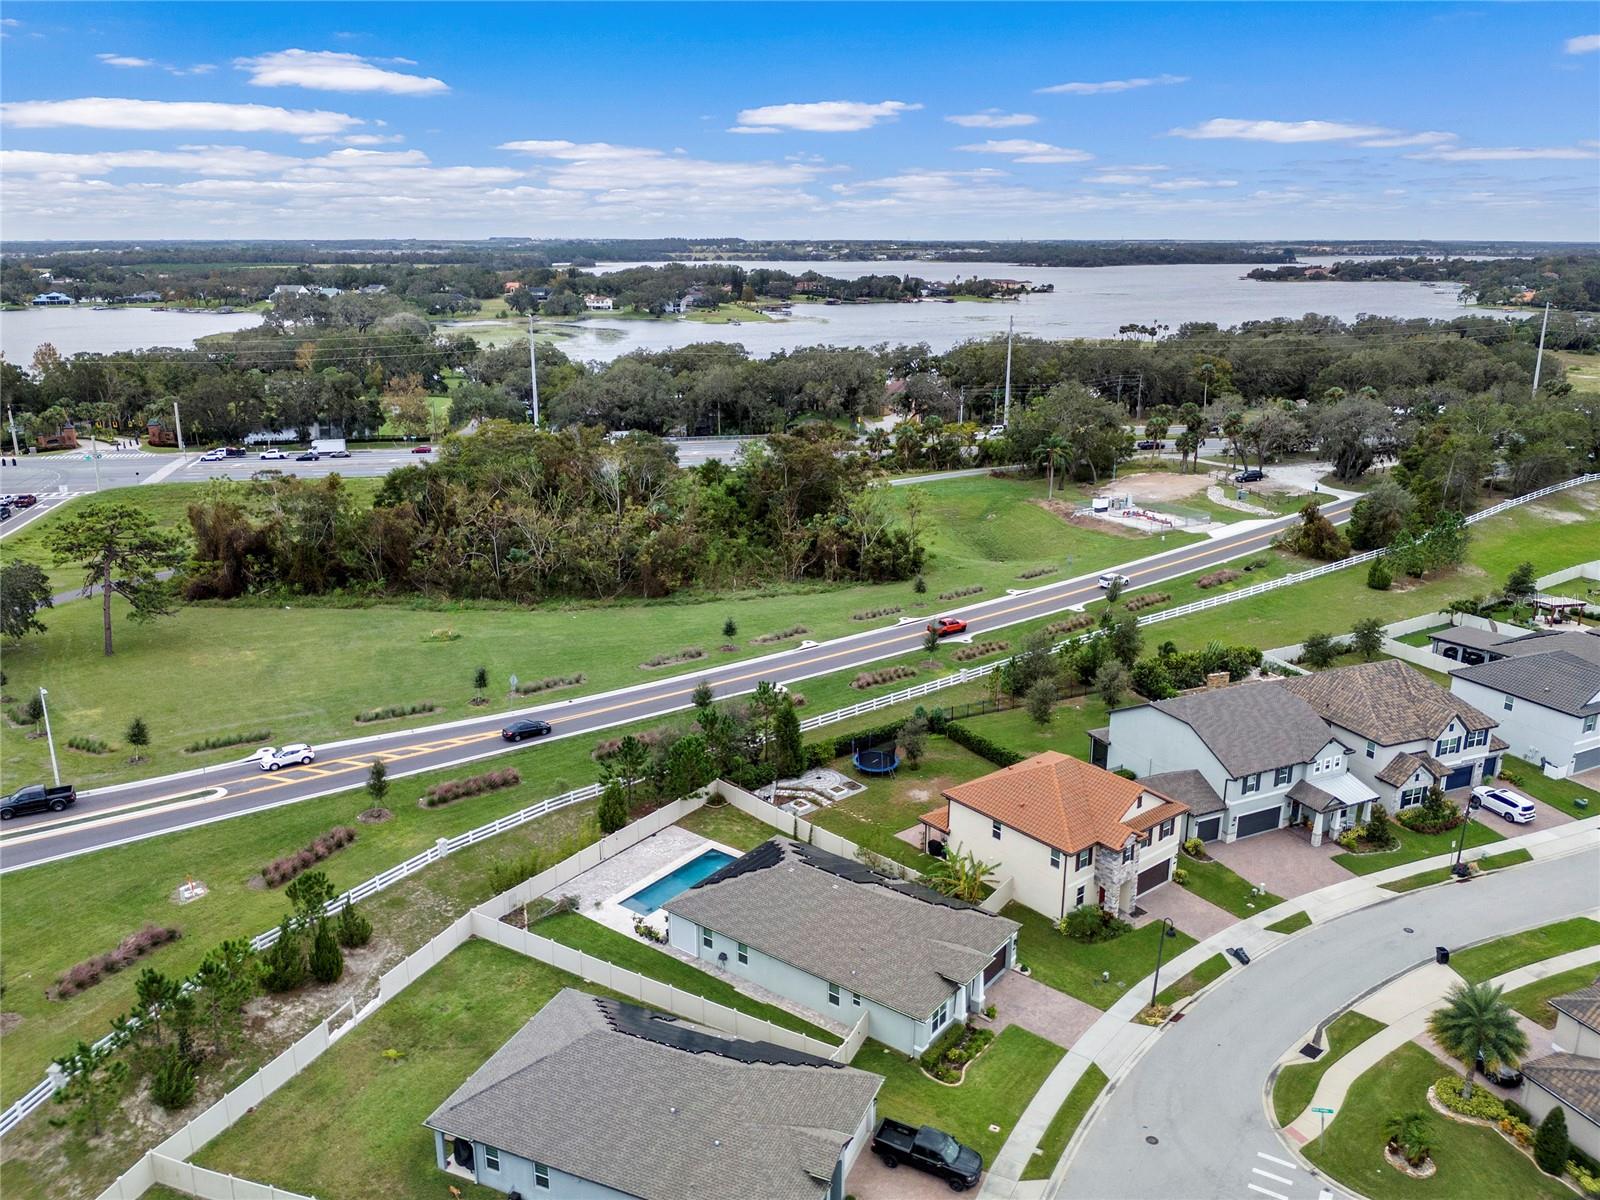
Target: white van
{"points": [[1503, 802]]}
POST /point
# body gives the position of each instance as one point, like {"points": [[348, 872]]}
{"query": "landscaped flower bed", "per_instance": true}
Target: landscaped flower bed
{"points": [[457, 789], [282, 870], [948, 1058], [92, 970]]}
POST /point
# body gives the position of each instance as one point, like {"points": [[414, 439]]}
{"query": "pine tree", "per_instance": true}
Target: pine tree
{"points": [[94, 1077], [283, 965], [354, 928], [789, 753], [327, 960], [613, 810], [378, 782], [138, 734], [1551, 1145], [729, 629]]}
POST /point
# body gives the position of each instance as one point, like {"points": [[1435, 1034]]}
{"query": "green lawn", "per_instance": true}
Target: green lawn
{"points": [[1295, 1085], [579, 932], [726, 824], [1213, 968], [1490, 862], [1067, 732], [371, 1105], [1532, 1000], [1074, 967], [1519, 949], [1225, 888], [1065, 1123], [994, 1092], [1558, 793], [1421, 638], [1473, 1160], [1293, 923], [1413, 847]]}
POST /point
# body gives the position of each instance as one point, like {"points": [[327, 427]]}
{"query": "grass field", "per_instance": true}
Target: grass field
{"points": [[1226, 889], [1532, 1000], [1213, 968], [1489, 862], [1293, 923], [1075, 967], [1295, 1085], [1065, 1123], [1519, 949], [1412, 847], [1472, 1160], [1558, 793]]}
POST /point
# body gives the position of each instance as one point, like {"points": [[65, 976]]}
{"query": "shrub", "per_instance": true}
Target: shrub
{"points": [[1319, 650], [1348, 839], [1521, 1131], [1378, 831], [445, 634], [172, 1082], [1180, 876], [919, 585], [1255, 564], [1091, 923], [223, 741], [983, 747], [1194, 848], [138, 735], [549, 683], [1379, 577], [957, 593], [326, 961], [128, 951], [1081, 621], [606, 747], [1588, 1183], [1484, 1105], [506, 873], [869, 679], [32, 710], [1035, 572], [648, 932], [730, 628], [1551, 1144], [392, 711], [1146, 600], [872, 614], [473, 785], [980, 650], [782, 635], [1216, 579], [283, 964], [954, 1049], [281, 870], [88, 745], [353, 927], [687, 654]]}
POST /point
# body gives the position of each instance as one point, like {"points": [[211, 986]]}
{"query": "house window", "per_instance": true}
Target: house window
{"points": [[705, 938], [1282, 776], [1588, 723], [994, 830], [1478, 738], [1127, 853], [491, 1158], [1166, 827], [1372, 750], [1446, 746], [1250, 783], [833, 994], [1413, 796], [541, 1175], [855, 999], [1085, 857], [744, 953], [1080, 895], [1055, 858], [1144, 838], [940, 1016]]}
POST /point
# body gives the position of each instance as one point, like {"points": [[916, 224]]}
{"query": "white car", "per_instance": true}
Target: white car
{"points": [[274, 452], [1503, 802], [213, 456], [270, 758], [1112, 577]]}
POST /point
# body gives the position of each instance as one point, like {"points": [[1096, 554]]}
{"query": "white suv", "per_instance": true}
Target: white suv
{"points": [[269, 758], [1112, 578], [1503, 802]]}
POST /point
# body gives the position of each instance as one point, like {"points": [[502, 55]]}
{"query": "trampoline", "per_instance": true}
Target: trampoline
{"points": [[876, 760]]}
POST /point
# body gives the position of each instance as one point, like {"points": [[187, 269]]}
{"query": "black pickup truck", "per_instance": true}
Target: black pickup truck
{"points": [[36, 797], [929, 1149]]}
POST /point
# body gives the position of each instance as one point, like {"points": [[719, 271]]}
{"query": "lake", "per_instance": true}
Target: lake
{"points": [[81, 328]]}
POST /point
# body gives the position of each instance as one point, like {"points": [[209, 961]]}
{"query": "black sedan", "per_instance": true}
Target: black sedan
{"points": [[525, 728], [1500, 1073], [1250, 476]]}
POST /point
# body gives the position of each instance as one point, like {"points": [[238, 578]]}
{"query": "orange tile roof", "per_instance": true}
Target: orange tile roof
{"points": [[1064, 802], [939, 818]]}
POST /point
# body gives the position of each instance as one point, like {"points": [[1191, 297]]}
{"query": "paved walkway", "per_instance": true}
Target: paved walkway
{"points": [[1283, 860], [1019, 999], [1115, 1043]]}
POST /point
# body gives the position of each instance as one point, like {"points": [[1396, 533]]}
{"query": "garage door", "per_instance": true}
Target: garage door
{"points": [[1259, 822], [1587, 760], [1459, 778], [1208, 829], [1154, 877], [997, 964]]}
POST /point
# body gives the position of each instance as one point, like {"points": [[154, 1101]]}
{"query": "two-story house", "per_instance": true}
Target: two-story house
{"points": [[1544, 690], [1245, 759], [1067, 832], [1570, 1077], [845, 941], [1407, 733]]}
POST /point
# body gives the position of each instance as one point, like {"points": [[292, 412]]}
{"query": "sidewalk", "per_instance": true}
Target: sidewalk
{"points": [[1403, 1005], [1115, 1043]]}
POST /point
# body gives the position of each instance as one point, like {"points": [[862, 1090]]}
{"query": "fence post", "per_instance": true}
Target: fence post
{"points": [[441, 847]]}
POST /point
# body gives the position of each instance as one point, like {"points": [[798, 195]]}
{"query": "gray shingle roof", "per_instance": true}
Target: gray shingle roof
{"points": [[1573, 1079], [1585, 643], [892, 942], [1472, 637], [1386, 701], [1557, 680], [1398, 770], [1582, 1005], [1252, 727], [573, 1090], [1188, 786]]}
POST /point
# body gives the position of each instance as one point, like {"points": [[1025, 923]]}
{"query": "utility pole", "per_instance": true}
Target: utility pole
{"points": [[1010, 327], [94, 458], [1539, 358], [49, 739], [177, 426], [11, 420], [533, 375]]}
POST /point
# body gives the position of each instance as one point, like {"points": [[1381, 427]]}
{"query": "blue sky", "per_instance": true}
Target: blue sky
{"points": [[832, 120]]}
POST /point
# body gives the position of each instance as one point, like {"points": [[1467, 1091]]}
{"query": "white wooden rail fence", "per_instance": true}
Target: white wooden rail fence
{"points": [[41, 1092]]}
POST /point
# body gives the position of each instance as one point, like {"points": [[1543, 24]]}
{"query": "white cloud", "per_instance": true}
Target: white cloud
{"points": [[1430, 137], [100, 112], [1589, 43], [1189, 185], [1024, 151], [993, 118], [195, 160], [334, 71], [354, 139], [1583, 150], [124, 60], [822, 116], [609, 167], [1282, 131], [1109, 85]]}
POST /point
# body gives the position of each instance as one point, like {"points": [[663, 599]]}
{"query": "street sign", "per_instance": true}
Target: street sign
{"points": [[1329, 1111]]}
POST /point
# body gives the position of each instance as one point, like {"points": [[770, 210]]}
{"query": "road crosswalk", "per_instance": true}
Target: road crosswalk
{"points": [[1275, 1178]]}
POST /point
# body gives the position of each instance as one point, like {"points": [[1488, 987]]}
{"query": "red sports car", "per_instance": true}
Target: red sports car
{"points": [[945, 626]]}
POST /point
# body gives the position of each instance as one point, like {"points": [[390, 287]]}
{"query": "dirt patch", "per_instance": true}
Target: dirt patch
{"points": [[1560, 516], [1069, 514], [919, 795], [1153, 487], [374, 816], [9, 1021]]}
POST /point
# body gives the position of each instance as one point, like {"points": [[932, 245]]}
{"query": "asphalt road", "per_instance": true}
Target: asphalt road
{"points": [[110, 816], [1198, 1093]]}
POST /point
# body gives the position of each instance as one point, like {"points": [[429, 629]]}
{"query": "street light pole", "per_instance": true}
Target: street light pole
{"points": [[1168, 930], [177, 427], [1461, 838], [50, 741], [533, 377], [11, 420], [1010, 328]]}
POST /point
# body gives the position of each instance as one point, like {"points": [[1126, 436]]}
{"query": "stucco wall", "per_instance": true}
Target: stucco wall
{"points": [[1583, 1133], [1536, 733]]}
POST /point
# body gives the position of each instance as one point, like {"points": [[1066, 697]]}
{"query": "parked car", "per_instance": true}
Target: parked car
{"points": [[1114, 578], [1149, 444], [296, 754], [273, 453], [5, 512], [525, 727], [945, 626], [36, 797], [928, 1149], [25, 500], [422, 449], [216, 455], [1500, 1074], [307, 456], [233, 452], [1503, 802], [1250, 476]]}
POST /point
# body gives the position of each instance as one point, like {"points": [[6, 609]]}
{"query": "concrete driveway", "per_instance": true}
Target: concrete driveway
{"points": [[1197, 917], [1545, 816], [869, 1179], [1283, 860], [1020, 999]]}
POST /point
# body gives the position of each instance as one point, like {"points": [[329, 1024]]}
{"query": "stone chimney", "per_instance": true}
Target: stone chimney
{"points": [[1215, 680]]}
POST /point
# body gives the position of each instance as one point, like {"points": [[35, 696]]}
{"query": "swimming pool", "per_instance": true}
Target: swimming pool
{"points": [[680, 879]]}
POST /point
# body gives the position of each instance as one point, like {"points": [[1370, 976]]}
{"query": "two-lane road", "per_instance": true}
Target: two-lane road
{"points": [[129, 812]]}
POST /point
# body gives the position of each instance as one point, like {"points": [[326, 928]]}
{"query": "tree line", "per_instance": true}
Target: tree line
{"points": [[1566, 281]]}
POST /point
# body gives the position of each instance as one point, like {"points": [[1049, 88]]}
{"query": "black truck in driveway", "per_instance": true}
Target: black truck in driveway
{"points": [[36, 797], [929, 1149]]}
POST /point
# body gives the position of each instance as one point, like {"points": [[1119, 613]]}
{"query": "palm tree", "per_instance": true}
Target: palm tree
{"points": [[877, 442], [1475, 1023], [1409, 1135], [1052, 450], [1188, 444], [961, 875]]}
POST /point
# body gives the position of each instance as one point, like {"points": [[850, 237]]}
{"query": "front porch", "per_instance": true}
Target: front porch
{"points": [[1327, 808]]}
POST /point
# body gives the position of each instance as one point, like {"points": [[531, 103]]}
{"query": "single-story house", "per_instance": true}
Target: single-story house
{"points": [[597, 1098], [1547, 698], [1068, 833], [1247, 758], [1570, 1077], [845, 941], [1468, 644], [52, 299], [598, 303]]}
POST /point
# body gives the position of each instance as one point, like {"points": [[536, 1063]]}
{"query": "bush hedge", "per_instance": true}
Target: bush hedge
{"points": [[547, 684], [983, 747], [1216, 579], [88, 745], [870, 679], [1035, 572], [872, 614], [687, 654], [389, 712], [92, 970], [957, 593], [223, 741], [281, 870], [1081, 621], [980, 650], [1147, 600], [473, 785], [1484, 1105], [781, 635]]}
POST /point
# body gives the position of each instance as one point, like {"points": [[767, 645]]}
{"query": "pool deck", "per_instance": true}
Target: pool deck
{"points": [[602, 890]]}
